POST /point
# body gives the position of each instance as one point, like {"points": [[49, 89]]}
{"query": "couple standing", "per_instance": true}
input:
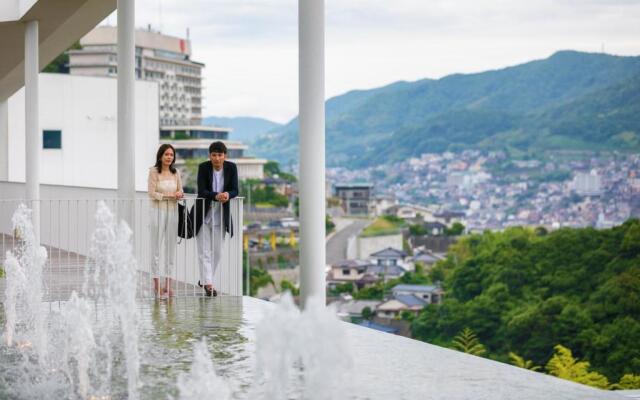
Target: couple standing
{"points": [[217, 184]]}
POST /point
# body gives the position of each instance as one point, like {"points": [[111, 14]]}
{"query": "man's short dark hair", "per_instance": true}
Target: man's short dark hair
{"points": [[217, 147]]}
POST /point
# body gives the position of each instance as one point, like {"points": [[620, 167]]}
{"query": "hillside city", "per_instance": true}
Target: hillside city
{"points": [[494, 192]]}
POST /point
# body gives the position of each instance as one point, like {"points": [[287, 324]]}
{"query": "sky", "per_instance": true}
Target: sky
{"points": [[250, 47]]}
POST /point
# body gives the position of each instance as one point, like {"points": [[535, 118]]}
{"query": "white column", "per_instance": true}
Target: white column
{"points": [[312, 174], [126, 112], [4, 140], [33, 136]]}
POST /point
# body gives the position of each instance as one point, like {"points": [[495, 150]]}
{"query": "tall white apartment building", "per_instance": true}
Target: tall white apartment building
{"points": [[166, 60], [587, 184], [160, 58]]}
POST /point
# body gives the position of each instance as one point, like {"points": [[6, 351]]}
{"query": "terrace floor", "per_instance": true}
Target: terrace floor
{"points": [[385, 366]]}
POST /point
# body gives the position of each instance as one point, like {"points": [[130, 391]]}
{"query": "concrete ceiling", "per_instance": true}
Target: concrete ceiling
{"points": [[61, 23]]}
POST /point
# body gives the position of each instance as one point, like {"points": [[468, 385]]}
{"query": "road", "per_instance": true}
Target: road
{"points": [[337, 243]]}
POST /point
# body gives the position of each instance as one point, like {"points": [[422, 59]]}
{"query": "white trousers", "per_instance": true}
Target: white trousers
{"points": [[209, 241], [164, 236]]}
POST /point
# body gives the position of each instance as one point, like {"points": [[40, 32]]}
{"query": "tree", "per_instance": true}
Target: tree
{"points": [[190, 174], [60, 64], [367, 313], [407, 315], [525, 293], [258, 277], [541, 231], [373, 292], [521, 363], [342, 288], [329, 225], [628, 382], [286, 285], [272, 168], [564, 366], [467, 342], [456, 229], [417, 230]]}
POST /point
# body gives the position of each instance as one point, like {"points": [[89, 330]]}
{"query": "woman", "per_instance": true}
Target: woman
{"points": [[165, 188]]}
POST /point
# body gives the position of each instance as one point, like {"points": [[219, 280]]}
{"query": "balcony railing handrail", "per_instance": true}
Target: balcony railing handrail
{"points": [[66, 226]]}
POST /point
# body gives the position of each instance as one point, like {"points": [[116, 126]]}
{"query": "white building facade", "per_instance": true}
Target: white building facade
{"points": [[79, 131]]}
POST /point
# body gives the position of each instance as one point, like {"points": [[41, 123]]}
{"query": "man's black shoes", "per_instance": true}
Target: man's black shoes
{"points": [[208, 291]]}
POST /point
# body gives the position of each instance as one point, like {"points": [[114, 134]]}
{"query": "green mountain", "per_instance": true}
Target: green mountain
{"points": [[245, 129], [570, 100]]}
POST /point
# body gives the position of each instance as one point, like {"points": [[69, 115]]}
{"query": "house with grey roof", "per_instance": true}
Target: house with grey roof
{"points": [[351, 271], [392, 308], [385, 272], [430, 293], [391, 257], [427, 258], [350, 309]]}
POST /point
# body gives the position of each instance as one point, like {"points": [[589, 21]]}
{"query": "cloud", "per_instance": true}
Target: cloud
{"points": [[250, 46]]}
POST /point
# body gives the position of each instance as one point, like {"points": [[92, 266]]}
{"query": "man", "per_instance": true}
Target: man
{"points": [[217, 184]]}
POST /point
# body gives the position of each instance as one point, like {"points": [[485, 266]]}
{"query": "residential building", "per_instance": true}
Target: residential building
{"points": [[382, 203], [429, 293], [587, 184], [355, 197], [427, 258], [394, 307], [349, 309], [391, 257], [361, 273], [166, 60], [386, 272], [160, 58], [350, 271]]}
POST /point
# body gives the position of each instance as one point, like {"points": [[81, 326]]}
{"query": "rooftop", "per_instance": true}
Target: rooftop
{"points": [[410, 300], [350, 185], [414, 288], [389, 252]]}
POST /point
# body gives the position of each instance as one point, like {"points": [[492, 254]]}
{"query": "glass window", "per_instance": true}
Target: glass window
{"points": [[51, 139], [235, 153]]}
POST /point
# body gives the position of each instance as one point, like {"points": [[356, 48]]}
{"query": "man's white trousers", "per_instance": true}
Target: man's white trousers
{"points": [[209, 241]]}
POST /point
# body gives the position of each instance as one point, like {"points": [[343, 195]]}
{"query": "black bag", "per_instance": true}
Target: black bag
{"points": [[185, 222]]}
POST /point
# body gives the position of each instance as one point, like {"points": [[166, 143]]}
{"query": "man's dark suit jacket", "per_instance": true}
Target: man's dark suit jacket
{"points": [[206, 196]]}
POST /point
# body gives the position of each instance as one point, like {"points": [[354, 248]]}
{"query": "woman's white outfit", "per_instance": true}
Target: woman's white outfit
{"points": [[163, 223]]}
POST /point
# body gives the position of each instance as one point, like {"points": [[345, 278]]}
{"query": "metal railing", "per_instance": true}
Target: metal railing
{"points": [[66, 228]]}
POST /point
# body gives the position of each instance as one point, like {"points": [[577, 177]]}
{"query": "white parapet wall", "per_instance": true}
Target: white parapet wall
{"points": [[84, 111], [369, 245]]}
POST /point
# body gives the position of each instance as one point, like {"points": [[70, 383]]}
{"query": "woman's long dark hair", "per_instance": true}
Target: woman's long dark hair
{"points": [[159, 155]]}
